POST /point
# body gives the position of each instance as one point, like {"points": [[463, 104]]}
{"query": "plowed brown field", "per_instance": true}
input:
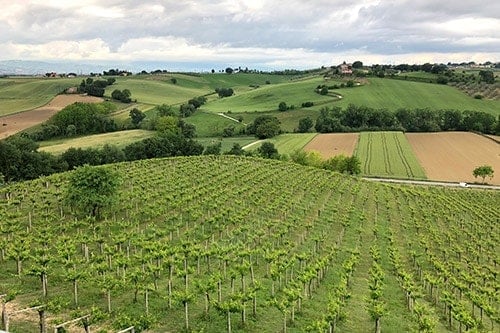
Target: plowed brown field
{"points": [[14, 123], [329, 145], [452, 156]]}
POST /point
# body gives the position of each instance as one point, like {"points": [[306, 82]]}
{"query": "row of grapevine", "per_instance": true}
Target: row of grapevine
{"points": [[196, 241]]}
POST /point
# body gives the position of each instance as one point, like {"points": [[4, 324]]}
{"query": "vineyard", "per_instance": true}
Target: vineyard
{"points": [[387, 154], [231, 244]]}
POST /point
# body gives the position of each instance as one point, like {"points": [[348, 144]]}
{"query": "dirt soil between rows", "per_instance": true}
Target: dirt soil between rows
{"points": [[451, 156], [18, 122], [333, 144]]}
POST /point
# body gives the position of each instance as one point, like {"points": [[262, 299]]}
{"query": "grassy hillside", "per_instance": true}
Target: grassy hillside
{"points": [[394, 94], [159, 89], [21, 94], [288, 143], [267, 98], [120, 139], [152, 91], [268, 243]]}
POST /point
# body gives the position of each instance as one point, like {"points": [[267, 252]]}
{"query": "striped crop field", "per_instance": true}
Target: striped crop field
{"points": [[387, 154]]}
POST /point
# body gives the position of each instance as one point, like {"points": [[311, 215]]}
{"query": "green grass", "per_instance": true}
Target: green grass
{"points": [[147, 90], [227, 143], [210, 124], [288, 143], [387, 154], [420, 75], [120, 139], [267, 98], [159, 89], [22, 94], [393, 94]]}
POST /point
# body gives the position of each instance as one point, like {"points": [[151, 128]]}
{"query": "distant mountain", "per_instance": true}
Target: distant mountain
{"points": [[29, 67], [25, 67]]}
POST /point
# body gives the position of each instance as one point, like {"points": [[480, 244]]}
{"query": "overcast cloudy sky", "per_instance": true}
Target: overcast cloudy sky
{"points": [[253, 33]]}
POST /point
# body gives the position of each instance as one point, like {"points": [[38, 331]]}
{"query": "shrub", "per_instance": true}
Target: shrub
{"points": [[282, 106]]}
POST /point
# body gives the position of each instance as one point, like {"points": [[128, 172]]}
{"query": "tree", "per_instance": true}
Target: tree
{"points": [[70, 130], [213, 149], [173, 80], [167, 124], [487, 76], [483, 172], [305, 125], [186, 110], [122, 95], [357, 64], [224, 92], [268, 150], [264, 127], [229, 70], [228, 131], [236, 150], [91, 189], [136, 116], [282, 106], [164, 110]]}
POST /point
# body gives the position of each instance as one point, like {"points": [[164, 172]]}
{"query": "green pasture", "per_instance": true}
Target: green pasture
{"points": [[387, 154], [159, 89], [149, 91], [267, 98], [288, 143], [419, 75], [120, 139], [211, 125], [227, 143], [22, 94], [394, 94], [222, 80]]}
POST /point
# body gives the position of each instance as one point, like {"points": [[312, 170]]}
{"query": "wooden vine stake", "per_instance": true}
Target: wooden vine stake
{"points": [[86, 326]]}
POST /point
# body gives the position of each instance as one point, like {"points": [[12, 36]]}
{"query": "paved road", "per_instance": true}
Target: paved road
{"points": [[431, 183]]}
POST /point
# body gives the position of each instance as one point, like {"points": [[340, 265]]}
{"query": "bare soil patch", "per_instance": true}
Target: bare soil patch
{"points": [[15, 123], [452, 156], [333, 144]]}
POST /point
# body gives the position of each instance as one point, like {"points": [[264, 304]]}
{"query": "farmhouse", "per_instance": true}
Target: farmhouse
{"points": [[345, 69]]}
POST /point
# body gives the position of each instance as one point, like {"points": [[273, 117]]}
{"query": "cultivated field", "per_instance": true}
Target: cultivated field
{"points": [[288, 143], [394, 94], [387, 154], [329, 145], [267, 97], [453, 156], [17, 122], [219, 244], [119, 139], [22, 94]]}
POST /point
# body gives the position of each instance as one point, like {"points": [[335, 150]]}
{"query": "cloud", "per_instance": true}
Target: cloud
{"points": [[294, 32]]}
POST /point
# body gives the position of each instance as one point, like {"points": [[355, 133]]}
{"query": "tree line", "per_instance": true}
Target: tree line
{"points": [[77, 119], [362, 118], [21, 160], [94, 87]]}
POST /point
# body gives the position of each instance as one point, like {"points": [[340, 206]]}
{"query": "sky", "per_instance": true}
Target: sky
{"points": [[272, 34]]}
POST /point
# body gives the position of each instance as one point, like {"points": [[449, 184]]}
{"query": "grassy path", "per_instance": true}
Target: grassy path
{"points": [[358, 319]]}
